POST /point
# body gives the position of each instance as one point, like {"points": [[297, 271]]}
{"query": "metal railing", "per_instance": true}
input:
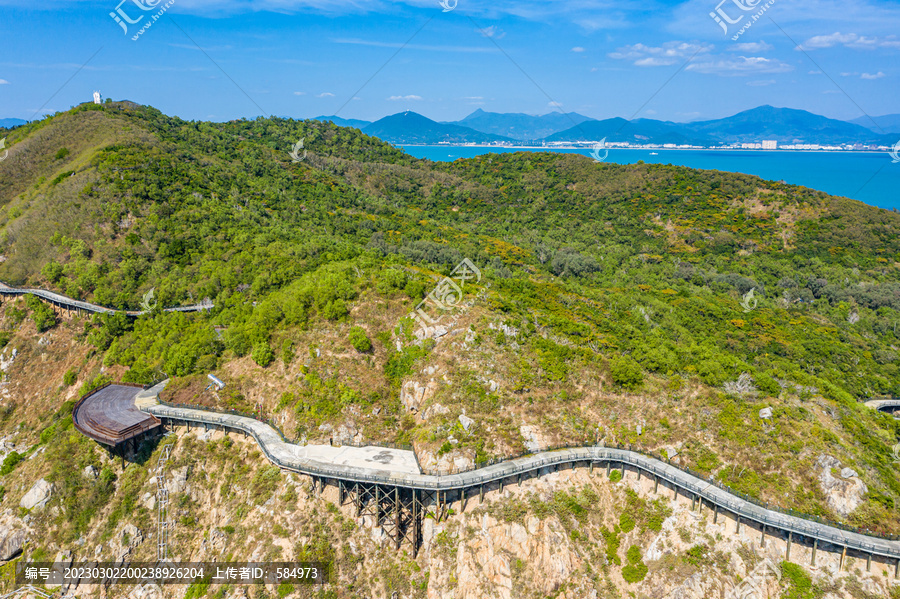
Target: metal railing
{"points": [[742, 504], [62, 300]]}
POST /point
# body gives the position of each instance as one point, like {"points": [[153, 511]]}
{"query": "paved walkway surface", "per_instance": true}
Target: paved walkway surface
{"points": [[395, 467], [70, 303]]}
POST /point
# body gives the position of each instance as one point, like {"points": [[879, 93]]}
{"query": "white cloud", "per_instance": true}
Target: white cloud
{"points": [[408, 98], [4, 82], [325, 95], [742, 65], [656, 56], [376, 44], [492, 31], [299, 93], [577, 49], [554, 104], [761, 83], [877, 75], [849, 40], [751, 47]]}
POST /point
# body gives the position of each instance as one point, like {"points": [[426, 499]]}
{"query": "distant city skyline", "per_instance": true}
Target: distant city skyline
{"points": [[364, 59]]}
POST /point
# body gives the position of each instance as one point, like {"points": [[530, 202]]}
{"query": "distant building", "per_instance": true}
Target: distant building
{"points": [[769, 144], [97, 99]]}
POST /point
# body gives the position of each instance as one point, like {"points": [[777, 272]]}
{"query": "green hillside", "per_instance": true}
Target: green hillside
{"points": [[613, 296]]}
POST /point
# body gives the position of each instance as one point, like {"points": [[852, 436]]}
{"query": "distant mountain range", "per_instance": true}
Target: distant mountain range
{"points": [[888, 123], [785, 125], [10, 123]]}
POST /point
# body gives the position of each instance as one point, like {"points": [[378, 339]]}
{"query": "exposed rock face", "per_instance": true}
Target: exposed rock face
{"points": [[178, 481], [346, 434], [11, 542], [90, 472], [452, 461], [465, 421], [413, 395], [434, 410], [765, 413], [842, 493], [37, 496], [135, 536], [534, 440]]}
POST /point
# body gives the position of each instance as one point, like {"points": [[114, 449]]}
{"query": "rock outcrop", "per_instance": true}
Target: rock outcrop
{"points": [[844, 490], [38, 496]]}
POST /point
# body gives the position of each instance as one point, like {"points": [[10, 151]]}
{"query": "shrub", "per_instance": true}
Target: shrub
{"points": [[43, 315], [359, 340], [10, 462], [627, 373], [263, 354], [615, 476], [633, 573], [799, 583], [70, 377], [287, 351], [636, 570], [626, 522], [62, 153]]}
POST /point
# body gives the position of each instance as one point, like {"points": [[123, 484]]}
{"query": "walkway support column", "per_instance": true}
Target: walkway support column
{"points": [[397, 515], [787, 551], [843, 556], [762, 537], [655, 483], [716, 514], [815, 546]]}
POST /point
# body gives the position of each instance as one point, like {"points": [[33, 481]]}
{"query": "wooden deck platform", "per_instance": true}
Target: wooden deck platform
{"points": [[109, 416]]}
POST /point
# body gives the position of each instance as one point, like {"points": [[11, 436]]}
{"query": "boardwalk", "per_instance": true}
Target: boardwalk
{"points": [[67, 303], [356, 469]]}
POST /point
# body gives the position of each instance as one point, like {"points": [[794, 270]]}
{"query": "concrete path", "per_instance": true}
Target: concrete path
{"points": [[399, 468]]}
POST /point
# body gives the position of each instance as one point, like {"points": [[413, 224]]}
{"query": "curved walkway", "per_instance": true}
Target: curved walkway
{"points": [[71, 304], [305, 460], [890, 405]]}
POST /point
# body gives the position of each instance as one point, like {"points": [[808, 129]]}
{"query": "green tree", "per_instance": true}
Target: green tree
{"points": [[262, 354], [627, 373], [359, 340]]}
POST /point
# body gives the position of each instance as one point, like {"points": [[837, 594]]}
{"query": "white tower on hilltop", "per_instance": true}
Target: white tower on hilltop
{"points": [[97, 98]]}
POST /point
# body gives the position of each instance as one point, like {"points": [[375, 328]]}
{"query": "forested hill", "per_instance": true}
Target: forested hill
{"points": [[646, 283]]}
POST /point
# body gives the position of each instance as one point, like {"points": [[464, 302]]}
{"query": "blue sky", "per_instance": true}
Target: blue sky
{"points": [[225, 59]]}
